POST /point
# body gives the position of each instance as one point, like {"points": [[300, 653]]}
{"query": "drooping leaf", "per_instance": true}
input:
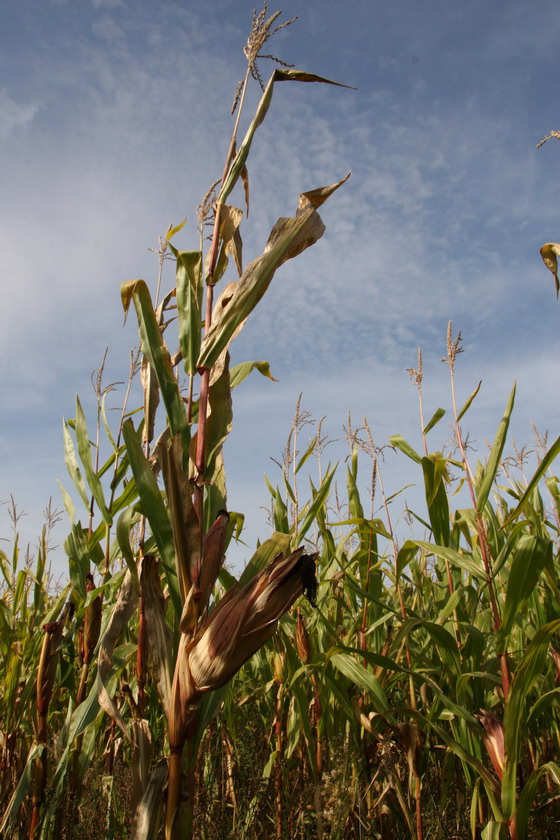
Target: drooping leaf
{"points": [[400, 443], [456, 558], [121, 613], [364, 679], [147, 819], [288, 238], [549, 253], [240, 372], [239, 161]]}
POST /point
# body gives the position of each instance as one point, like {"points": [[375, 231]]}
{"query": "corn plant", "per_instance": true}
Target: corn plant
{"points": [[157, 523]]}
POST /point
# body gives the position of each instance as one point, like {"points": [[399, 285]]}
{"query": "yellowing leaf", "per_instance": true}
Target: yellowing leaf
{"points": [[171, 231], [549, 253]]}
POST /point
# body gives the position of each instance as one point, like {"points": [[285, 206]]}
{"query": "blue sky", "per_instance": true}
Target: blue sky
{"points": [[114, 121]]}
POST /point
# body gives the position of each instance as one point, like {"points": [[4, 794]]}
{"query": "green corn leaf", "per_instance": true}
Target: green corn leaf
{"points": [[406, 554], [460, 750], [495, 831], [84, 451], [317, 503], [240, 372], [468, 403], [280, 513], [72, 464], [154, 509], [455, 558], [189, 299], [125, 522], [542, 705], [400, 443], [76, 549], [434, 469], [540, 471], [438, 414], [363, 678], [155, 350], [308, 452], [67, 501], [495, 455], [531, 666], [530, 557], [105, 422]]}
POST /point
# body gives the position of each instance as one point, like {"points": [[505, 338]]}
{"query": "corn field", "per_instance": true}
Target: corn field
{"points": [[350, 682]]}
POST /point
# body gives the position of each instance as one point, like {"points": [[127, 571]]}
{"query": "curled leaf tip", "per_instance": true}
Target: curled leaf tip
{"points": [[549, 254]]}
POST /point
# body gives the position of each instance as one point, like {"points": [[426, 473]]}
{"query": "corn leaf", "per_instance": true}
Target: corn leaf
{"points": [[319, 500], [154, 509], [530, 667], [288, 238], [240, 372], [239, 161], [159, 638], [527, 796], [438, 414], [539, 472], [84, 451], [189, 299], [361, 677], [19, 794], [400, 443], [147, 819], [72, 464], [468, 403], [495, 455], [549, 254], [529, 559], [455, 558], [184, 522], [121, 613], [155, 349]]}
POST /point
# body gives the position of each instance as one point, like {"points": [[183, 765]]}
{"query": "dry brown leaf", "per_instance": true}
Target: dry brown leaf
{"points": [[159, 637], [122, 612]]}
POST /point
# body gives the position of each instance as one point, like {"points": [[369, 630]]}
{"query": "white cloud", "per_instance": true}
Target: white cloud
{"points": [[13, 115]]}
